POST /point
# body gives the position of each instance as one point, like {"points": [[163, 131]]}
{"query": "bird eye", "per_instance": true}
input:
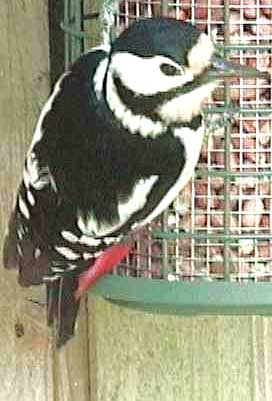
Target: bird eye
{"points": [[169, 70]]}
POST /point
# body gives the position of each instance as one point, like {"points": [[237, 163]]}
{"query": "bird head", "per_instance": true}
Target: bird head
{"points": [[160, 71]]}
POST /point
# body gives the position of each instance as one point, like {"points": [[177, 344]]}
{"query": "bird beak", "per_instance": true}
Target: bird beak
{"points": [[223, 69]]}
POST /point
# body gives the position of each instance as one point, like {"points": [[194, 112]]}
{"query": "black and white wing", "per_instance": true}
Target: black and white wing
{"points": [[43, 240]]}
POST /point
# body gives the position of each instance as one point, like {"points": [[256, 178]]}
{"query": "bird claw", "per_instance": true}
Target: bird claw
{"points": [[105, 263]]}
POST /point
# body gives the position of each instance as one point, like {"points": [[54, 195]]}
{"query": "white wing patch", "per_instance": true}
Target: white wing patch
{"points": [[36, 176], [23, 208], [137, 199], [19, 249], [30, 198], [126, 209], [89, 241], [192, 141], [67, 252], [37, 253], [87, 255], [21, 231], [69, 236]]}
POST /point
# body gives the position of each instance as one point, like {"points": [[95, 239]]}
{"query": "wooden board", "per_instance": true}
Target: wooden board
{"points": [[146, 357], [31, 368]]}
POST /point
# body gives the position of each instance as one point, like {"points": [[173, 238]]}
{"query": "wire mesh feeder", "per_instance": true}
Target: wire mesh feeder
{"points": [[217, 235]]}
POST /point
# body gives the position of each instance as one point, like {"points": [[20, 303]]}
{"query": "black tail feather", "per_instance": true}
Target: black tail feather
{"points": [[62, 307], [31, 259], [24, 255], [10, 252]]}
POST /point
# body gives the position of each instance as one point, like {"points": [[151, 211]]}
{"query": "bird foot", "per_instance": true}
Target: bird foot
{"points": [[105, 263]]}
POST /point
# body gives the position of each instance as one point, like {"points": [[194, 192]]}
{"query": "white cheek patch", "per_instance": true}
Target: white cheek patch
{"points": [[200, 55], [144, 76], [186, 106]]}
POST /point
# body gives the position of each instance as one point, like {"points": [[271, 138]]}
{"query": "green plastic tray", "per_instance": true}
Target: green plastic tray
{"points": [[187, 298]]}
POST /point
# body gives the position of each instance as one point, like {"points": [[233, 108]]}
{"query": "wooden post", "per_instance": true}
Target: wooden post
{"points": [[31, 369], [24, 83]]}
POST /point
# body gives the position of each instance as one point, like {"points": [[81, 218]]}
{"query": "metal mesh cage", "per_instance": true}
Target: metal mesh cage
{"points": [[218, 231]]}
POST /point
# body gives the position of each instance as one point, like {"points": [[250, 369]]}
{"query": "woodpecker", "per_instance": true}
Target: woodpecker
{"points": [[116, 142]]}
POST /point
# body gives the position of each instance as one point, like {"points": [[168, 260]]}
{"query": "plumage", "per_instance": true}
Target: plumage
{"points": [[115, 143]]}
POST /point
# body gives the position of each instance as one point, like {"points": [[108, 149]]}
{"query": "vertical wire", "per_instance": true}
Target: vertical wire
{"points": [[165, 258], [207, 242], [149, 9], [177, 253], [240, 191], [137, 9], [66, 36], [242, 56], [208, 221], [227, 155], [269, 244], [209, 15], [164, 8], [193, 229], [193, 12], [126, 14], [257, 139]]}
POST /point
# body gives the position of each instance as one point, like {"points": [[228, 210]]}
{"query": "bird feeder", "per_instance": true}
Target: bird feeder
{"points": [[211, 251]]}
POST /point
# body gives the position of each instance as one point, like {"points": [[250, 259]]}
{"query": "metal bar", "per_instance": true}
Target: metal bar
{"points": [[233, 174], [76, 49], [164, 7], [236, 110], [227, 150], [72, 31], [173, 235], [66, 35], [89, 16], [229, 47], [164, 223]]}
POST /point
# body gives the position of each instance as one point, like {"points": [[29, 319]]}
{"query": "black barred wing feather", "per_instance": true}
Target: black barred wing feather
{"points": [[29, 248], [25, 248]]}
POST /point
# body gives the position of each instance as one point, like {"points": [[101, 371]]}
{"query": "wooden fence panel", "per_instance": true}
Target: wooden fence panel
{"points": [[31, 369]]}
